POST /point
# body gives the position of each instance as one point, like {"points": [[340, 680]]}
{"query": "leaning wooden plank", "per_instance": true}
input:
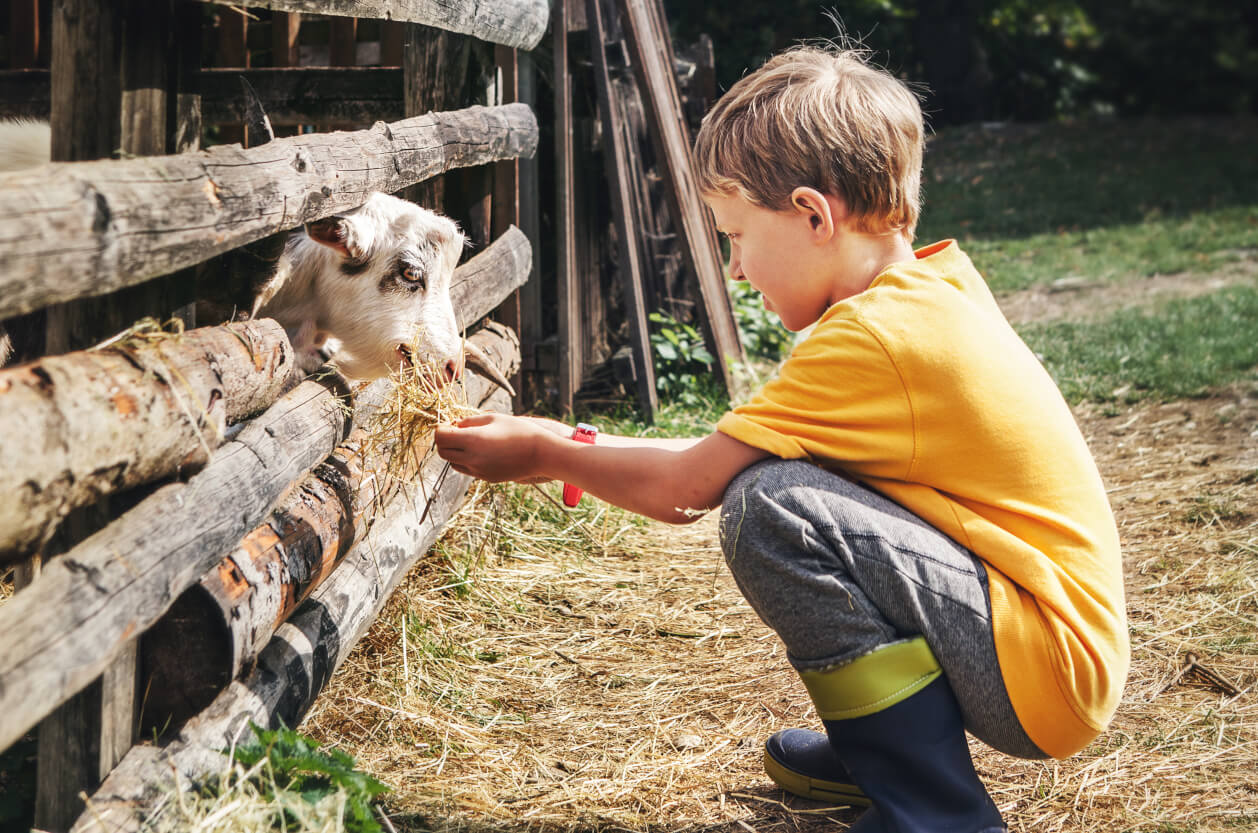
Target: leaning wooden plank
{"points": [[616, 156], [519, 23], [233, 612], [299, 660], [146, 407], [86, 228], [114, 585], [651, 55]]}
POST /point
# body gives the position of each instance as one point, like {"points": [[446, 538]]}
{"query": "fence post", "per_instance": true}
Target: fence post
{"points": [[118, 72]]}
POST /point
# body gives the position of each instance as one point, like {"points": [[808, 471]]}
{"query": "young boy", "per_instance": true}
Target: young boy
{"points": [[909, 503]]}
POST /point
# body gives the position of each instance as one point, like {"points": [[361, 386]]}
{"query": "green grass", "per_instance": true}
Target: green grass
{"points": [[1182, 349], [1106, 200]]}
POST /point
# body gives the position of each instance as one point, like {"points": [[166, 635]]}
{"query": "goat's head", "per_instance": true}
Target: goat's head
{"points": [[384, 287]]}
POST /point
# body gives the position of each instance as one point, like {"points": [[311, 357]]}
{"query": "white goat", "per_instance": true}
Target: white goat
{"points": [[373, 282]]}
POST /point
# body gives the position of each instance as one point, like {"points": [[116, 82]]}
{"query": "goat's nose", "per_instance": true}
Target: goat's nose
{"points": [[453, 370]]}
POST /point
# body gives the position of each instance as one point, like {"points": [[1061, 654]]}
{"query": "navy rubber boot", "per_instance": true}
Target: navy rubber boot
{"points": [[913, 762], [895, 726], [804, 763]]}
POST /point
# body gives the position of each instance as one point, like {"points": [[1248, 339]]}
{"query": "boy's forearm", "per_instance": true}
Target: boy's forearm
{"points": [[671, 480]]}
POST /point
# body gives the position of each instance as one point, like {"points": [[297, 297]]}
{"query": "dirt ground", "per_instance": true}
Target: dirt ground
{"points": [[632, 689]]}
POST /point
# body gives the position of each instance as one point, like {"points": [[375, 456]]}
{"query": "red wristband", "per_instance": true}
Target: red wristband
{"points": [[583, 434]]}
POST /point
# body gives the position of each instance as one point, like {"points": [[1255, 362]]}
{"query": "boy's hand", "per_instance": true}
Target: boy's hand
{"points": [[497, 447]]}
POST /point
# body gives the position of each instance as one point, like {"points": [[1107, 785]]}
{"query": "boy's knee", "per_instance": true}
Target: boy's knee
{"points": [[752, 497]]}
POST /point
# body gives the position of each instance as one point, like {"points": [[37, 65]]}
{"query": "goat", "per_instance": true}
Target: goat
{"points": [[371, 285]]}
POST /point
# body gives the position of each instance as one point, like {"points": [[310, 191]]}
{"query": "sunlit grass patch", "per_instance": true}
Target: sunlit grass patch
{"points": [[1182, 349], [1103, 200]]}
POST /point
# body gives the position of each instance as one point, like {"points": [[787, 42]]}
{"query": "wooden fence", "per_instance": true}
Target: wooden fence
{"points": [[161, 472]]}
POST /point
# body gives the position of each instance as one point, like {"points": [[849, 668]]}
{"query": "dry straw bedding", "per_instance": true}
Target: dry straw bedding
{"points": [[600, 673]]}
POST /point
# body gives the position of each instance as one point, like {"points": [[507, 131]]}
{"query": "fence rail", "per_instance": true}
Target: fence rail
{"points": [[70, 230], [514, 23]]}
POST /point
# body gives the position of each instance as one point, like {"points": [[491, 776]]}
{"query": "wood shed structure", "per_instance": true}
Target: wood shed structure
{"points": [[167, 494]]}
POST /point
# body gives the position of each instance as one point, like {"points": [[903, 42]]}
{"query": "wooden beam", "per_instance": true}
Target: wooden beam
{"points": [[303, 654], [651, 55], [571, 354], [285, 29], [121, 580], [518, 23], [343, 42], [632, 278], [101, 421], [70, 231], [289, 95], [23, 34]]}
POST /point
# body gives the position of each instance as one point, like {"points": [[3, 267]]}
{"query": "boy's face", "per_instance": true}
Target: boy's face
{"points": [[776, 252]]}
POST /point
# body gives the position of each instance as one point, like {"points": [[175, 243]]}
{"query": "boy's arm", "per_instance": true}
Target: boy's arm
{"points": [[659, 478]]}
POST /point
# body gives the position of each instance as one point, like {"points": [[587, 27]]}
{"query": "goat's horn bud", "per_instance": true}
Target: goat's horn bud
{"points": [[477, 359]]}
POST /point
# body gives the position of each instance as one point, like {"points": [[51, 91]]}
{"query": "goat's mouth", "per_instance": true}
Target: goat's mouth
{"points": [[405, 356], [473, 355]]}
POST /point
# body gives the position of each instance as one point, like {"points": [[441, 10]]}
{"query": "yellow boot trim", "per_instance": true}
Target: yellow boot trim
{"points": [[817, 789], [874, 681]]}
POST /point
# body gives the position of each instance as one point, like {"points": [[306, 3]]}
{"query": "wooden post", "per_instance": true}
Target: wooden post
{"points": [[620, 180], [434, 71], [652, 60], [23, 34], [232, 51], [571, 355], [116, 75], [505, 213], [285, 27], [392, 39], [343, 42]]}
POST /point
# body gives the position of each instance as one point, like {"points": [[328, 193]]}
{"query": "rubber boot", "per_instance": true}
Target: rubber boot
{"points": [[804, 763], [895, 725]]}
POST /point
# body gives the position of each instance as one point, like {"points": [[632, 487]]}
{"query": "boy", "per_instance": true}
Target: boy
{"points": [[909, 503]]}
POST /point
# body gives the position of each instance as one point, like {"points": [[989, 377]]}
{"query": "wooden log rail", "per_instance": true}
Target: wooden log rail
{"points": [[120, 581], [235, 609], [79, 229], [517, 23], [99, 421], [300, 658]]}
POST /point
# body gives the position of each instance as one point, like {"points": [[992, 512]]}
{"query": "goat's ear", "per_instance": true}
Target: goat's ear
{"points": [[336, 233]]}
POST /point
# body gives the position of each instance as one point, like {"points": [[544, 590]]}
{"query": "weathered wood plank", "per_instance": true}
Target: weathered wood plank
{"points": [[617, 151], [651, 56], [119, 581], [68, 231], [100, 421], [571, 356], [519, 23], [300, 658]]}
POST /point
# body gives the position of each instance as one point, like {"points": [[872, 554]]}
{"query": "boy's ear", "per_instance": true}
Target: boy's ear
{"points": [[824, 214]]}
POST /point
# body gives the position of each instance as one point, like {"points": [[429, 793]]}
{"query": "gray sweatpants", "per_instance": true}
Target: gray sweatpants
{"points": [[838, 570]]}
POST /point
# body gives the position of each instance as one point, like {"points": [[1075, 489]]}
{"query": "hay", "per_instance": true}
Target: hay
{"points": [[533, 674]]}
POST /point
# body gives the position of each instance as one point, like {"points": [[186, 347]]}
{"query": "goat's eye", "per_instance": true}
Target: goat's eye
{"points": [[413, 276]]}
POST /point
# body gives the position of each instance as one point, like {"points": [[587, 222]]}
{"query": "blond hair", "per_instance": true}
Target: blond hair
{"points": [[820, 117]]}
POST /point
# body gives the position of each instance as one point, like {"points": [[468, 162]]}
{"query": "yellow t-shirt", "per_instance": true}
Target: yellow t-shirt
{"points": [[919, 388]]}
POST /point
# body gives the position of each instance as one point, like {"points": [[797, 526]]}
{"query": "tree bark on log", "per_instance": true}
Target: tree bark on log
{"points": [[79, 229], [518, 23], [300, 658], [235, 609], [89, 423], [118, 582]]}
